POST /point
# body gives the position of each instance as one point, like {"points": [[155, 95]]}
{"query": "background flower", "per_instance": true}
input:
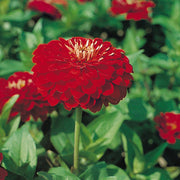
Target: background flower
{"points": [[47, 7], [3, 172], [30, 102], [81, 72], [168, 125], [134, 9]]}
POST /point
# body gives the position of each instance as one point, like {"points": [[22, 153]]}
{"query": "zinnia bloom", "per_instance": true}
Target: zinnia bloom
{"points": [[134, 9], [47, 7], [4, 93], [168, 125], [30, 102], [3, 172], [81, 72]]}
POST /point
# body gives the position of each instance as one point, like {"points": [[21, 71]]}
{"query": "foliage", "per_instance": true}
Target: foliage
{"points": [[118, 142]]}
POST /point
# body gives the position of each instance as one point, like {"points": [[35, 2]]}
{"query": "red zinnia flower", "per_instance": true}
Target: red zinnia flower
{"points": [[47, 7], [4, 93], [3, 172], [134, 9], [81, 72], [168, 125], [30, 102]]}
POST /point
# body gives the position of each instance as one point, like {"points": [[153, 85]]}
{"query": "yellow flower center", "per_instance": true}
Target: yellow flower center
{"points": [[84, 52], [173, 126], [19, 84]]}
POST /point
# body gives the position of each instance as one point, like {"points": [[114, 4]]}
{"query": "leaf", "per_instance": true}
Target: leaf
{"points": [[161, 60], [47, 176], [154, 174], [6, 112], [20, 153], [173, 171], [38, 31], [85, 136], [103, 171], [133, 40], [134, 56], [162, 80], [13, 125], [133, 148], [165, 106], [62, 135], [28, 43], [137, 109], [4, 6], [17, 15], [8, 67], [58, 173], [97, 148], [176, 145], [152, 156], [106, 126], [63, 173], [166, 22]]}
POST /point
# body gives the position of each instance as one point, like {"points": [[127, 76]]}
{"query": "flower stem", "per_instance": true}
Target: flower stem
{"points": [[76, 139]]}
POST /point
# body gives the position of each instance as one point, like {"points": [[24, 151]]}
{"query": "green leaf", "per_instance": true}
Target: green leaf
{"points": [[6, 112], [103, 171], [28, 42], [133, 148], [85, 136], [58, 173], [103, 130], [173, 171], [17, 16], [13, 125], [175, 13], [137, 109], [38, 31], [166, 22], [4, 6], [152, 156], [47, 176], [133, 40], [165, 106], [63, 173], [162, 80], [20, 153], [161, 60], [62, 135], [97, 148], [106, 126], [8, 67], [153, 174], [176, 145], [134, 56]]}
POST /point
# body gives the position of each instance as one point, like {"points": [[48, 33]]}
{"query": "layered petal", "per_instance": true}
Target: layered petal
{"points": [[133, 9], [47, 7], [168, 125], [30, 101], [81, 72]]}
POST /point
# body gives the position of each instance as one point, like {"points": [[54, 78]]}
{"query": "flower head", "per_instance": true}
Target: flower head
{"points": [[81, 72], [168, 125], [47, 7], [134, 9], [3, 172], [30, 102], [4, 92]]}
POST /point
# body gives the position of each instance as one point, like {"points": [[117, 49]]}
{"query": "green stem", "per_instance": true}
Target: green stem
{"points": [[76, 139]]}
